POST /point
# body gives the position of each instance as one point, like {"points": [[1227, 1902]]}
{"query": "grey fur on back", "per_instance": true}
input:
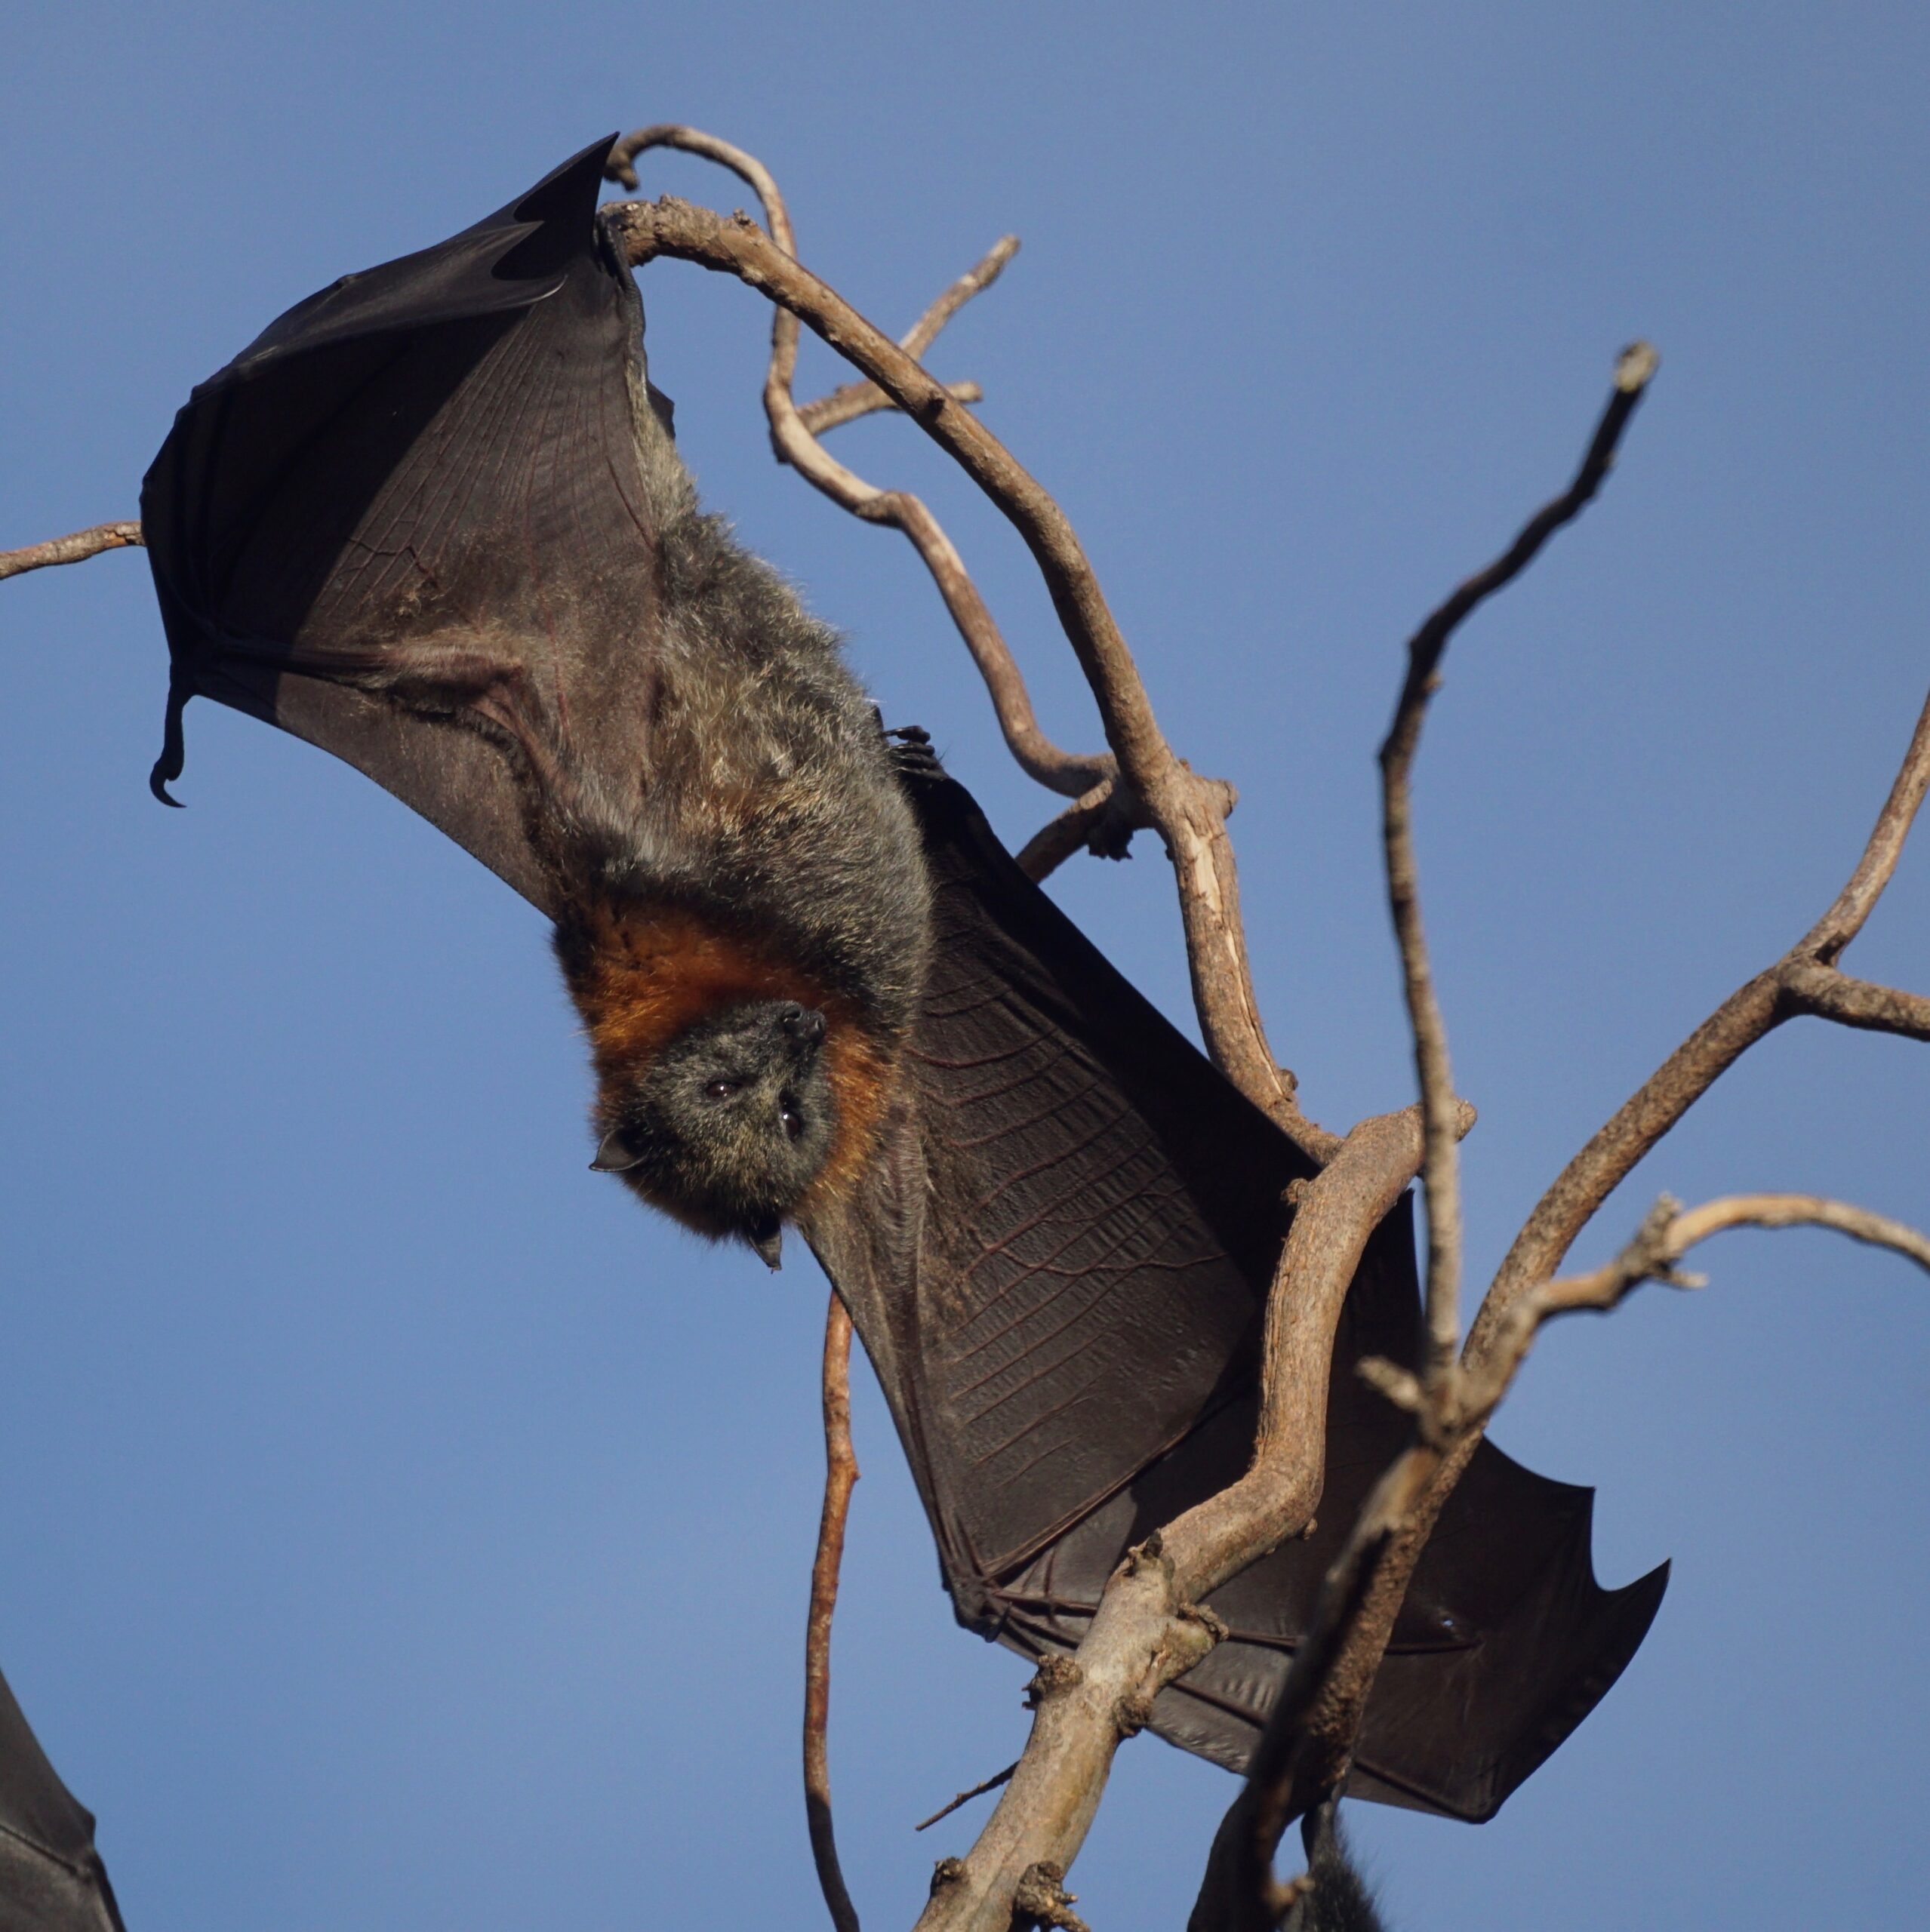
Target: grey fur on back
{"points": [[771, 799]]}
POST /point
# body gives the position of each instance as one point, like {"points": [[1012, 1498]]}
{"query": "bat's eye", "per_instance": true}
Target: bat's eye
{"points": [[793, 1121], [721, 1090]]}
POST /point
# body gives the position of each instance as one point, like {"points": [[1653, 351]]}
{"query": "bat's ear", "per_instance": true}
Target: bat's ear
{"points": [[767, 1238], [616, 1156]]}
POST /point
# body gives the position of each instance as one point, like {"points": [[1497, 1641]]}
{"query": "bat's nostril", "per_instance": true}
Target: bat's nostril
{"points": [[802, 1024]]}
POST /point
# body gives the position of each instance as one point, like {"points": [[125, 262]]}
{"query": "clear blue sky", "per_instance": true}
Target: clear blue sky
{"points": [[357, 1446]]}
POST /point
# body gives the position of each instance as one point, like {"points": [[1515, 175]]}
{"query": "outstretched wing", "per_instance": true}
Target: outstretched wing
{"points": [[52, 1877], [410, 524], [1058, 1265]]}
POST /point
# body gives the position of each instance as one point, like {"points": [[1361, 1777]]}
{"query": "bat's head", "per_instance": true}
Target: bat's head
{"points": [[730, 1123]]}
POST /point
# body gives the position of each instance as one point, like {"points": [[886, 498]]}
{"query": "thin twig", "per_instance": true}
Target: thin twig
{"points": [[849, 401], [1440, 1170], [1825, 941], [965, 1797], [75, 550], [1188, 810], [975, 281], [840, 1472], [1831, 994], [1668, 1232]]}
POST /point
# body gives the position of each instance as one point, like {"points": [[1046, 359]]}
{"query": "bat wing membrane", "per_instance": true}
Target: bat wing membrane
{"points": [[409, 524], [1059, 1266], [52, 1877]]}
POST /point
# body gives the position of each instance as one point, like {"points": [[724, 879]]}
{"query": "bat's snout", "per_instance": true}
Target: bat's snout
{"points": [[804, 1024]]}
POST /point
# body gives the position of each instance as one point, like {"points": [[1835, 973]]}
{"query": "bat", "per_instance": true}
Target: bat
{"points": [[52, 1877], [433, 521]]}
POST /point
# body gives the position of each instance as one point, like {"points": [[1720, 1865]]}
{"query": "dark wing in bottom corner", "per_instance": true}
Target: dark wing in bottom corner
{"points": [[52, 1877], [1058, 1265]]}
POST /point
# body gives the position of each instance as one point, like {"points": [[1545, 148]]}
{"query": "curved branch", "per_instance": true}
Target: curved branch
{"points": [[1101, 822], [1441, 1170], [75, 550], [794, 441], [1186, 811], [1687, 1230], [1147, 1631], [840, 1472], [1825, 941]]}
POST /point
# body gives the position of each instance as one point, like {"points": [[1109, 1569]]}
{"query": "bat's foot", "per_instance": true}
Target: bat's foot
{"points": [[912, 756]]}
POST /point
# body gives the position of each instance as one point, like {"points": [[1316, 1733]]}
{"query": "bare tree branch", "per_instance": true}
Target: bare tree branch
{"points": [[1148, 1631], [75, 550], [1440, 1170], [1687, 1230], [965, 1797], [1671, 1231], [975, 281], [1831, 994], [1302, 1756], [1102, 823], [1301, 1759], [793, 438], [1186, 809], [1453, 1413], [1825, 941], [1334, 1215], [849, 401], [1305, 1749], [840, 1472]]}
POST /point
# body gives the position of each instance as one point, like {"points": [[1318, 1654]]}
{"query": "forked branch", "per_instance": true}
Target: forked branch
{"points": [[850, 401], [1303, 1757], [1309, 1743], [1304, 1754], [1440, 1169], [794, 436]]}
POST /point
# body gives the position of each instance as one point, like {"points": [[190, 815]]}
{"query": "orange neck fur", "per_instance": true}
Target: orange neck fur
{"points": [[648, 972]]}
